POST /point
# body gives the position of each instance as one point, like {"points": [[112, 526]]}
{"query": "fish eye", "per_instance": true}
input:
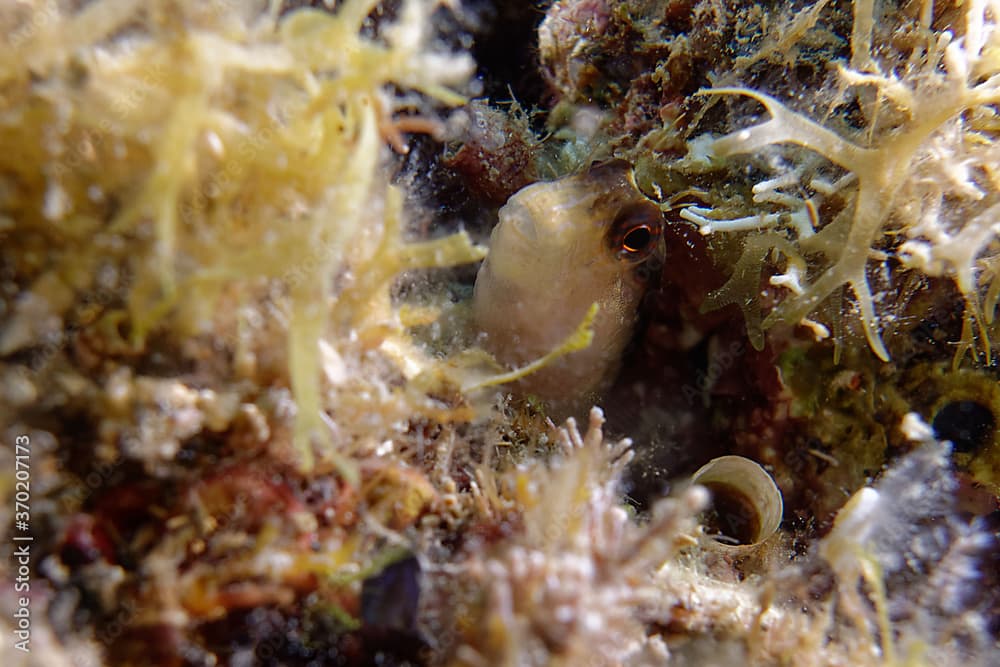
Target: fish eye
{"points": [[635, 230], [637, 239]]}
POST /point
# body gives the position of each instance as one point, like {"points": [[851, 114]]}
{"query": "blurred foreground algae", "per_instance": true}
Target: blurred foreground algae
{"points": [[219, 152]]}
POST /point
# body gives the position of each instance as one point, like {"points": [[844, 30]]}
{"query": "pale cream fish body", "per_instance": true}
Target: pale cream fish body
{"points": [[558, 248]]}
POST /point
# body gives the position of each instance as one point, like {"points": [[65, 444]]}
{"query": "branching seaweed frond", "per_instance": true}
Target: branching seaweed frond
{"points": [[930, 178]]}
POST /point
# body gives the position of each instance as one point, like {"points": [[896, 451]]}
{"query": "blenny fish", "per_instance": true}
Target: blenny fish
{"points": [[560, 247]]}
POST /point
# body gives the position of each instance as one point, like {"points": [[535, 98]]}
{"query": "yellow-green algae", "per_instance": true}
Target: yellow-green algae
{"points": [[218, 151]]}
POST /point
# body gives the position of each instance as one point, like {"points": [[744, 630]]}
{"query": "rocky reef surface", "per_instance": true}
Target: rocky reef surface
{"points": [[248, 417]]}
